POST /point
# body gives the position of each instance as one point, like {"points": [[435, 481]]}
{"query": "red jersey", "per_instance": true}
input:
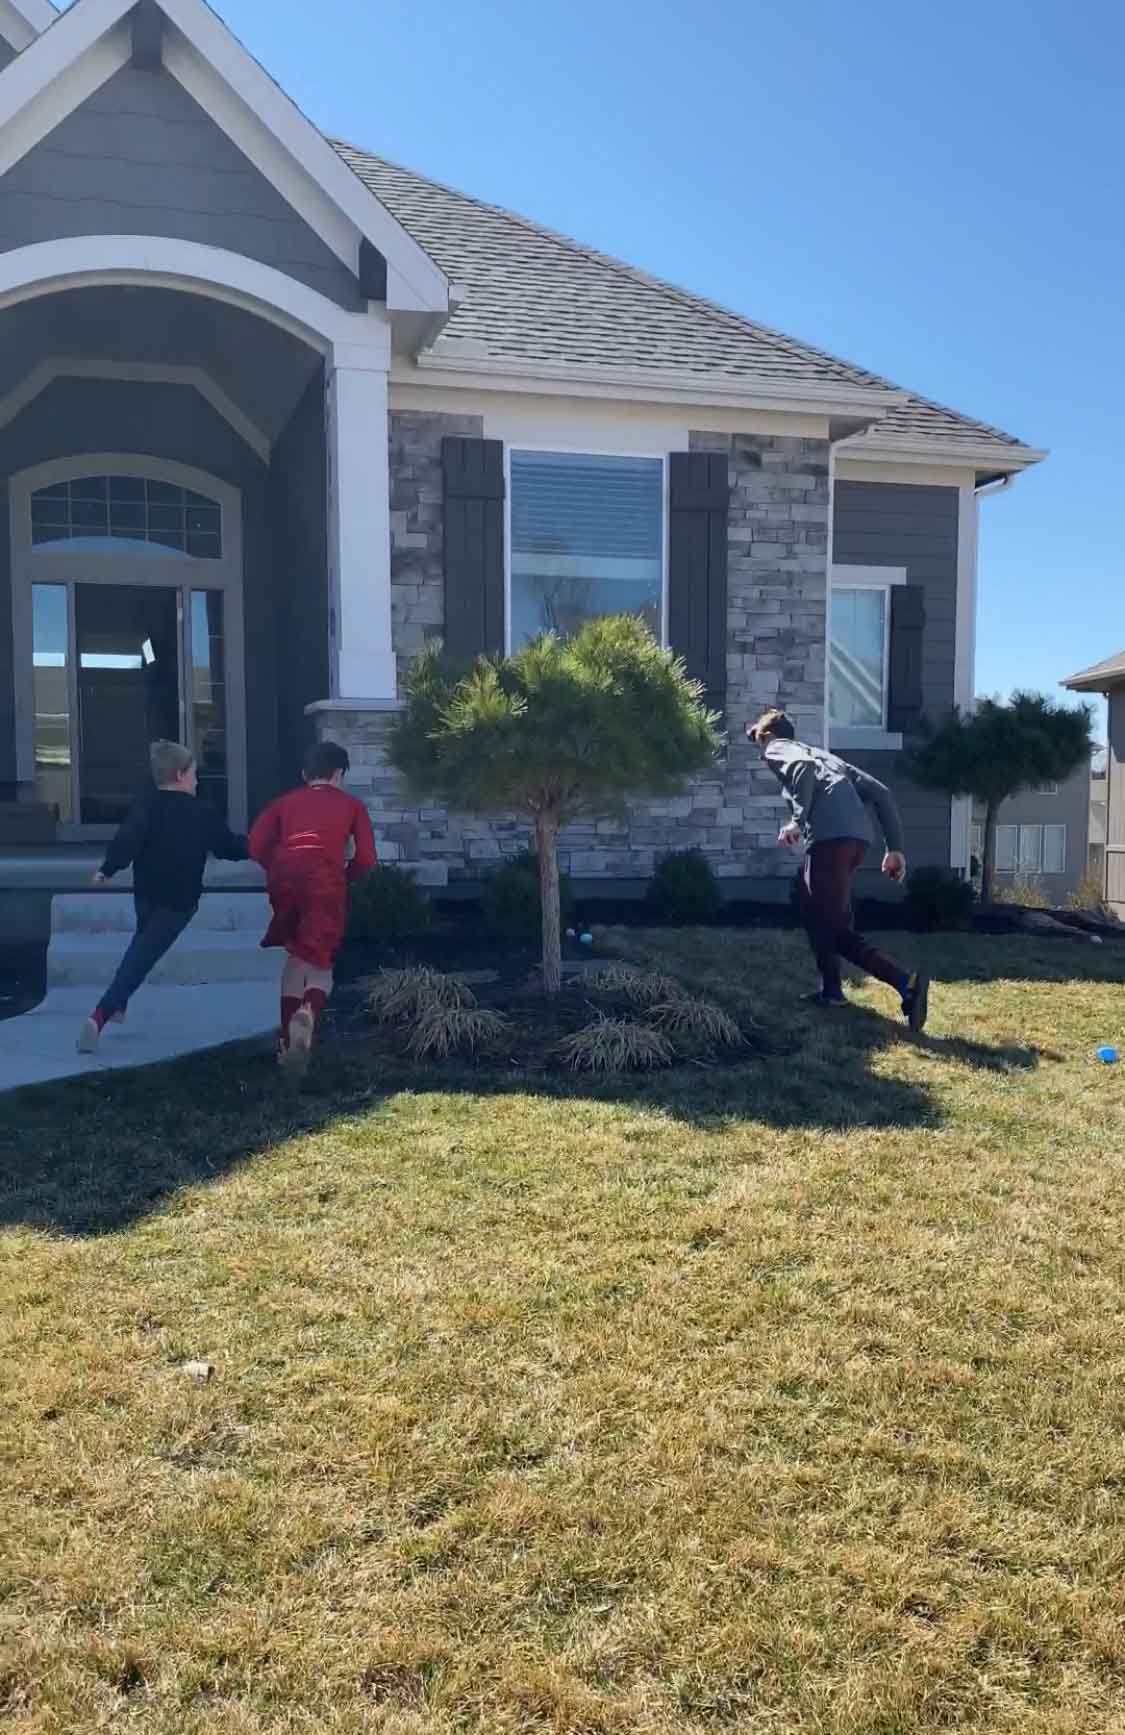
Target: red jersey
{"points": [[319, 819]]}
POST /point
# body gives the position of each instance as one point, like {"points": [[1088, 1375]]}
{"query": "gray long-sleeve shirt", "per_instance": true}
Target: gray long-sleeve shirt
{"points": [[829, 798]]}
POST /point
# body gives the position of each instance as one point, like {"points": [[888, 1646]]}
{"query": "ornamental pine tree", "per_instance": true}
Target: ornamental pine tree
{"points": [[563, 728], [999, 749]]}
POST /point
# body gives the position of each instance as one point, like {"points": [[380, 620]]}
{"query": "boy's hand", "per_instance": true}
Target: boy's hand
{"points": [[790, 835], [894, 866]]}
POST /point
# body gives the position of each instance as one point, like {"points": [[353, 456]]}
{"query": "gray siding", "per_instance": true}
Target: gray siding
{"points": [[176, 424], [140, 157], [1115, 813], [1069, 807], [899, 524]]}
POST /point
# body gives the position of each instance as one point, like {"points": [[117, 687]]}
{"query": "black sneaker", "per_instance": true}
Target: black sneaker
{"points": [[819, 998], [916, 1001]]}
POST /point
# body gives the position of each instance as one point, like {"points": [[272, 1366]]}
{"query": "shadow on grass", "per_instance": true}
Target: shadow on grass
{"points": [[92, 1156]]}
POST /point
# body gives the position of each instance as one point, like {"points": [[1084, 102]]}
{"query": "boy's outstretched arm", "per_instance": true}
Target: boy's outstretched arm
{"points": [[226, 844], [875, 794], [366, 856], [128, 843]]}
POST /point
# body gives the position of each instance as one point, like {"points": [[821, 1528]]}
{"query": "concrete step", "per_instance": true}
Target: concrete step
{"points": [[200, 955], [112, 912]]}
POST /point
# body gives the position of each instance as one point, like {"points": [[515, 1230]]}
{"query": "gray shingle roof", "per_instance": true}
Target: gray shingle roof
{"points": [[1101, 676], [536, 296]]}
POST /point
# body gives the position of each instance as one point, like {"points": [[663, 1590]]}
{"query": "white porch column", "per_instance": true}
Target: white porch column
{"points": [[359, 520]]}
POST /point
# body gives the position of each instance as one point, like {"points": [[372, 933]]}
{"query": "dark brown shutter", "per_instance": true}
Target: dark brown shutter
{"points": [[908, 626], [699, 506], [474, 547]]}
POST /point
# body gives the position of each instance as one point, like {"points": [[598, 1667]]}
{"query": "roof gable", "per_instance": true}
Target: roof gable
{"points": [[94, 40], [21, 21]]}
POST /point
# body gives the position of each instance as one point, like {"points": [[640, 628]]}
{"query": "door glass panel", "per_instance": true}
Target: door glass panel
{"points": [[121, 514], [126, 640], [50, 687], [207, 697]]}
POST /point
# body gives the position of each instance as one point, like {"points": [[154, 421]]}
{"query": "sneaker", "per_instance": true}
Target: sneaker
{"points": [[89, 1036], [294, 1057], [819, 998], [916, 1001]]}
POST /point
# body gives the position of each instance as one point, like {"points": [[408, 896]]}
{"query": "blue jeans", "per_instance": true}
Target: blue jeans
{"points": [[158, 929]]}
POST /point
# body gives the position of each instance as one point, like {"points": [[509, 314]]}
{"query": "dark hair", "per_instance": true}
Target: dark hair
{"points": [[772, 723], [324, 759]]}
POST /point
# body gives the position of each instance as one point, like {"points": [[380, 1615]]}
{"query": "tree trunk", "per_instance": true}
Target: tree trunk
{"points": [[988, 865], [547, 848]]}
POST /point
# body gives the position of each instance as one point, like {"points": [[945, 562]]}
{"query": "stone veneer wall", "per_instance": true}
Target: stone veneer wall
{"points": [[777, 588]]}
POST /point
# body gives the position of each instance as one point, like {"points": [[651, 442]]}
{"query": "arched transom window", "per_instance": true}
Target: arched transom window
{"points": [[119, 514]]}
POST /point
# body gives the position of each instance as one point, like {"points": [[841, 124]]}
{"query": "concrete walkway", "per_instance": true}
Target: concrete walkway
{"points": [[163, 1022]]}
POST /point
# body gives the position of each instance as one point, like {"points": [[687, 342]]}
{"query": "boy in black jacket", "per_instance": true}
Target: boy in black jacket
{"points": [[167, 836]]}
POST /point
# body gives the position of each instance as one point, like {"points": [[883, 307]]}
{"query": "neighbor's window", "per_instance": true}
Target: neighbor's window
{"points": [[1031, 849], [100, 513], [587, 539], [858, 663]]}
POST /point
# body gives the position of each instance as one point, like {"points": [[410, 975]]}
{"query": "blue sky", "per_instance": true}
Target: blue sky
{"points": [[934, 192]]}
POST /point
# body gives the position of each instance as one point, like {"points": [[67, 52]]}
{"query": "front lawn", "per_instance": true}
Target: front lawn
{"points": [[784, 1396]]}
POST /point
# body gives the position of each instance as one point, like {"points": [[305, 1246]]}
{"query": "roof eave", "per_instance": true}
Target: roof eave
{"points": [[1096, 680], [831, 398], [887, 447], [21, 21]]}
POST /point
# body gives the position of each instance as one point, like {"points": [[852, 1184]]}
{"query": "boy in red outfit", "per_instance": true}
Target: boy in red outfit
{"points": [[302, 840]]}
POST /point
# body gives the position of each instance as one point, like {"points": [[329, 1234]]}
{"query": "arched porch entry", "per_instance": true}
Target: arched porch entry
{"points": [[193, 456]]}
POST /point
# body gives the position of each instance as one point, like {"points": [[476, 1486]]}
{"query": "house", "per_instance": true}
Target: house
{"points": [[1108, 677], [274, 412], [1043, 835]]}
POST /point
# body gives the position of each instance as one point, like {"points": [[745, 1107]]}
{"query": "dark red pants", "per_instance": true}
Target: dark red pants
{"points": [[826, 907]]}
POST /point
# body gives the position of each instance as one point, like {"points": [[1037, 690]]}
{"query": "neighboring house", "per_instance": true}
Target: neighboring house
{"points": [[275, 412], [1109, 678], [1042, 835], [1098, 786]]}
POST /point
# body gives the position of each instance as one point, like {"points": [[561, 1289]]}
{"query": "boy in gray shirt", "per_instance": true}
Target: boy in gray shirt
{"points": [[828, 799]]}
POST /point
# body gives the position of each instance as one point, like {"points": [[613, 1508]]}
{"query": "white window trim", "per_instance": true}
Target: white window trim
{"points": [[874, 739], [583, 452], [1042, 827]]}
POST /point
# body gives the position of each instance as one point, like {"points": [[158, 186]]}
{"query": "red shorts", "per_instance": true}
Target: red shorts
{"points": [[310, 906]]}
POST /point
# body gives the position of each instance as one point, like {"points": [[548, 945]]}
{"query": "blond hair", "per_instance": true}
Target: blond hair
{"points": [[167, 761]]}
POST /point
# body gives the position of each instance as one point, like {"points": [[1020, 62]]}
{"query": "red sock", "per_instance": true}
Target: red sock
{"points": [[316, 1000], [100, 1018], [289, 1005]]}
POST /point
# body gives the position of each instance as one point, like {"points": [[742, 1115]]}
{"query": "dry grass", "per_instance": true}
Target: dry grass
{"points": [[616, 1045], [783, 1398], [440, 1031], [401, 996], [638, 987], [692, 1021]]}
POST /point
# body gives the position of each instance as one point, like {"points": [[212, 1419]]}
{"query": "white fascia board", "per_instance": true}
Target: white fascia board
{"points": [[414, 281], [21, 21], [888, 448], [647, 385], [87, 44]]}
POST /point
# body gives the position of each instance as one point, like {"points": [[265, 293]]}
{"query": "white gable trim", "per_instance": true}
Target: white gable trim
{"points": [[162, 262], [21, 21], [51, 78], [60, 367]]}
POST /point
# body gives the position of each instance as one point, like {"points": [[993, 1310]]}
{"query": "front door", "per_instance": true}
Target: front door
{"points": [[128, 610]]}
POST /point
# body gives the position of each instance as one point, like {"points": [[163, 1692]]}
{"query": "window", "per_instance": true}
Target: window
{"points": [[587, 539], [1031, 849], [858, 663], [117, 513]]}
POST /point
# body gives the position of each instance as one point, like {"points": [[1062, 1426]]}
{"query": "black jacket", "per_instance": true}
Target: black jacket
{"points": [[168, 837]]}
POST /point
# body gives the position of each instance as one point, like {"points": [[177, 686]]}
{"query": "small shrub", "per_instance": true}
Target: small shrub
{"points": [[683, 891], [399, 996], [510, 902], [697, 1022], [1089, 894], [386, 906], [442, 1030], [638, 987], [616, 1045], [1022, 889], [937, 897]]}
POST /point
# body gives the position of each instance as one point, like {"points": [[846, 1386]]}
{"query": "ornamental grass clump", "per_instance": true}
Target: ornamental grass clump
{"points": [[616, 1045], [444, 1030], [400, 996]]}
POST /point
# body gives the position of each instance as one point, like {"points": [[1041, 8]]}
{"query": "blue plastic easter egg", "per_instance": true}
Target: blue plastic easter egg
{"points": [[587, 939], [1108, 1054]]}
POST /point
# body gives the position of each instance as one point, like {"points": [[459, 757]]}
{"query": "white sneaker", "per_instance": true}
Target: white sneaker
{"points": [[88, 1037], [295, 1058]]}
